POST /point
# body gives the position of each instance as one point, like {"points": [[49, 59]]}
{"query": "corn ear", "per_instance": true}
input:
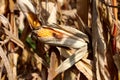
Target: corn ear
{"points": [[61, 37]]}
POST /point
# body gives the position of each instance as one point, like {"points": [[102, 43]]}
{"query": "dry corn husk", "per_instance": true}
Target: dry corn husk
{"points": [[62, 36]]}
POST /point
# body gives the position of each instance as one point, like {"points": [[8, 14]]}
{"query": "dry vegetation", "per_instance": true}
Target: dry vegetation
{"points": [[59, 40]]}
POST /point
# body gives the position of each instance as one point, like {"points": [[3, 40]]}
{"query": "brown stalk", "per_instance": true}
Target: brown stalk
{"points": [[99, 45], [114, 33], [13, 30]]}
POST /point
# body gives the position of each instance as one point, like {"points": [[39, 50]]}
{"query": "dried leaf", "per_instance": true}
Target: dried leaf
{"points": [[66, 53], [40, 60], [72, 74], [52, 18], [13, 59], [48, 6], [84, 65], [78, 55], [53, 65], [4, 21], [85, 68], [26, 6], [13, 38], [7, 64]]}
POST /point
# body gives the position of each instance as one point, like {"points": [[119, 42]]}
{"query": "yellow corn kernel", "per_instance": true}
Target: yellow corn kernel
{"points": [[47, 32]]}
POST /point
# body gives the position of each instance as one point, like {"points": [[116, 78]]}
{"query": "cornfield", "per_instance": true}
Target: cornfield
{"points": [[59, 40]]}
